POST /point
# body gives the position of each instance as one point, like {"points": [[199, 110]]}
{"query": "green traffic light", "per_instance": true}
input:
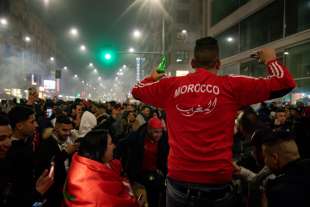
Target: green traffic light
{"points": [[108, 56]]}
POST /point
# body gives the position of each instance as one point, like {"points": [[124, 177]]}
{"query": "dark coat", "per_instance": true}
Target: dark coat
{"points": [[47, 151], [301, 128], [291, 186], [131, 151], [21, 171], [115, 127], [5, 183]]}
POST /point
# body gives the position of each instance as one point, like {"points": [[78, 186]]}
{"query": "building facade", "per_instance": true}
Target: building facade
{"points": [[25, 62], [242, 27], [184, 27]]}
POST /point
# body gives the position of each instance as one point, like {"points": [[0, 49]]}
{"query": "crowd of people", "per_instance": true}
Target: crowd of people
{"points": [[43, 155], [78, 153]]}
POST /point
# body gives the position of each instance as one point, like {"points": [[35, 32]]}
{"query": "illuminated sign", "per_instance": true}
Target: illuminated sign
{"points": [[49, 84]]}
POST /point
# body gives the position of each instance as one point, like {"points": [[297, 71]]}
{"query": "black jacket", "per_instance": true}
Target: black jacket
{"points": [[21, 174], [291, 187], [115, 128], [301, 128], [131, 151], [47, 151], [6, 184]]}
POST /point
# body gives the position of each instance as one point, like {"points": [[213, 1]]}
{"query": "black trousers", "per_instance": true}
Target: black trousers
{"points": [[154, 184], [181, 194]]}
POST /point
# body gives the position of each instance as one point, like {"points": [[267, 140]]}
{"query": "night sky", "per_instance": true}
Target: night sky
{"points": [[101, 23]]}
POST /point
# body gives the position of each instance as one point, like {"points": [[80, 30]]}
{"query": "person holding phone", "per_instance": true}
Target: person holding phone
{"points": [[9, 188], [201, 108], [94, 178], [55, 153]]}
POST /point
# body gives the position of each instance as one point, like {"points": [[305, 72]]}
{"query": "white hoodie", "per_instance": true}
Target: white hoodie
{"points": [[88, 122]]}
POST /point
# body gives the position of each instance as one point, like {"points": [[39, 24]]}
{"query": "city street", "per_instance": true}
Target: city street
{"points": [[154, 103]]}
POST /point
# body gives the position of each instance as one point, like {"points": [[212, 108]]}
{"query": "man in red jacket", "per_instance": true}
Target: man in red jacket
{"points": [[201, 109]]}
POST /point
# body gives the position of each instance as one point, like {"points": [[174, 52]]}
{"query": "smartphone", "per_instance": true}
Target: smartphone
{"points": [[140, 196], [51, 171], [49, 112], [52, 168]]}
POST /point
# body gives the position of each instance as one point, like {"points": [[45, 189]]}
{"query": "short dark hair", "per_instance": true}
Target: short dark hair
{"points": [[4, 120], [77, 104], [94, 144], [206, 53], [117, 106], [280, 110], [100, 105], [248, 120], [63, 120], [145, 107], [272, 138], [19, 114]]}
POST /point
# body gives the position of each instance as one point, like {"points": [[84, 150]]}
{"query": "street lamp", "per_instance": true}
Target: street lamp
{"points": [[65, 68], [46, 2], [91, 65], [136, 34], [76, 76], [131, 50], [184, 31], [52, 59], [27, 39], [230, 39], [83, 48], [3, 21], [160, 3], [74, 32]]}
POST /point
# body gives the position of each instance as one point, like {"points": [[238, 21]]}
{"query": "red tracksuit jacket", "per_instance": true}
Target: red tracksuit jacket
{"points": [[201, 108]]}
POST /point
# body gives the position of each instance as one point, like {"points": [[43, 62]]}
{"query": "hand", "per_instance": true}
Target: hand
{"points": [[44, 182], [237, 169], [141, 200], [71, 148], [156, 76], [277, 122], [267, 54]]}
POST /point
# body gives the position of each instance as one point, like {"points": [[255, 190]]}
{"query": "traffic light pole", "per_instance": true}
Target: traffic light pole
{"points": [[163, 28], [141, 53]]}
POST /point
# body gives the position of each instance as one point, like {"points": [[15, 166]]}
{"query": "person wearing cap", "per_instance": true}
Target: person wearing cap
{"points": [[144, 156], [201, 108], [290, 185]]}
